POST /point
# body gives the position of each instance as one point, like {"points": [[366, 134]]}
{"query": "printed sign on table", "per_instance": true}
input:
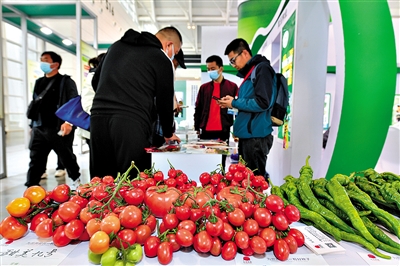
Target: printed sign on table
{"points": [[31, 250], [270, 259], [372, 259]]}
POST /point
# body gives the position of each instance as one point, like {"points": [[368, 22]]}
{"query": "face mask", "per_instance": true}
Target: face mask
{"points": [[45, 67], [173, 54], [213, 74]]}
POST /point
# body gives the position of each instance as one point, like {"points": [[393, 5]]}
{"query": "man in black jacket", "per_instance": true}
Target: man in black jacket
{"points": [[48, 131], [136, 69]]}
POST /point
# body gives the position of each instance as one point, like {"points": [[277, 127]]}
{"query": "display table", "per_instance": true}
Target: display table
{"points": [[192, 164], [33, 251]]}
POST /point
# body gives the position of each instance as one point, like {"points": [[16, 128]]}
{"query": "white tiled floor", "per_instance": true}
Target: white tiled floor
{"points": [[17, 166]]}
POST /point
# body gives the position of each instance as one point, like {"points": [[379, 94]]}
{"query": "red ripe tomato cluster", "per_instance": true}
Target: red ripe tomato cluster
{"points": [[115, 215]]}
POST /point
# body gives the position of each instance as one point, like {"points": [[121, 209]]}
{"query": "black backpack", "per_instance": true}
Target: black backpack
{"points": [[279, 109]]}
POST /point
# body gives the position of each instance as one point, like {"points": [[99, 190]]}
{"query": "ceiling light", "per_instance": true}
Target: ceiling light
{"points": [[193, 27], [46, 30], [67, 42]]}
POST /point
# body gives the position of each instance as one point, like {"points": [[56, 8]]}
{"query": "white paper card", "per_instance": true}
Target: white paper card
{"points": [[372, 259], [270, 259], [31, 250], [318, 242]]}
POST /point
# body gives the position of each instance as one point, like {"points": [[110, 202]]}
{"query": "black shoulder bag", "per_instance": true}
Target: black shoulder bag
{"points": [[34, 106]]}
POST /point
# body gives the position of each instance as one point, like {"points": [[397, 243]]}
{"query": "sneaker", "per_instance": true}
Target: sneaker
{"points": [[75, 184], [44, 176], [60, 173]]}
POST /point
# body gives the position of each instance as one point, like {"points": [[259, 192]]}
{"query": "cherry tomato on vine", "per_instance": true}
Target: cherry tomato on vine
{"points": [[263, 217], [170, 221], [274, 203], [143, 232], [99, 242], [18, 207], [68, 211], [130, 217], [164, 253], [229, 250], [74, 229], [269, 236], [292, 213], [60, 193], [281, 250], [151, 246], [236, 217], [258, 245], [35, 194], [12, 229], [59, 237], [45, 228], [299, 237], [292, 244], [280, 221], [251, 227], [184, 237]]}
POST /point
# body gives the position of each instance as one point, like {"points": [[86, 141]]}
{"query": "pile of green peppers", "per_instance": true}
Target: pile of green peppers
{"points": [[348, 207]]}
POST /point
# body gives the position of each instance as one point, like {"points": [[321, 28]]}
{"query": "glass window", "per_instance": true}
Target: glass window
{"points": [[15, 105], [34, 56], [13, 51], [14, 87], [12, 33], [14, 69], [32, 42]]}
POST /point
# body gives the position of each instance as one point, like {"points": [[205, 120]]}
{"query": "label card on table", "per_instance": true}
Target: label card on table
{"points": [[372, 259], [31, 250], [318, 242], [270, 259]]}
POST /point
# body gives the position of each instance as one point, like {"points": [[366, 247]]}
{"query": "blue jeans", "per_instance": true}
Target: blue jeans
{"points": [[254, 152]]}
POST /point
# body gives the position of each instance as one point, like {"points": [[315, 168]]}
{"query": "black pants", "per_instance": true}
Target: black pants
{"points": [[60, 165], [254, 152], [222, 135], [116, 141], [43, 140]]}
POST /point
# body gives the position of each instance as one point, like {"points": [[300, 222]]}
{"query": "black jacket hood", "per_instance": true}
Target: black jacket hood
{"points": [[141, 39]]}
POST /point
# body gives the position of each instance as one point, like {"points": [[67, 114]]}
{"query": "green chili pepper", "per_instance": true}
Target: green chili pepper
{"points": [[373, 176], [318, 187], [292, 195], [379, 234], [362, 198], [390, 194], [276, 190], [390, 176], [342, 201]]}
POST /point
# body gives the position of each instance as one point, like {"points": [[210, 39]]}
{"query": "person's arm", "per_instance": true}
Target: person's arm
{"points": [[71, 91], [198, 109]]}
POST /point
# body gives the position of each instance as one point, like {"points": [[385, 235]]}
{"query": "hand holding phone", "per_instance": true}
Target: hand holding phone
{"points": [[216, 98]]}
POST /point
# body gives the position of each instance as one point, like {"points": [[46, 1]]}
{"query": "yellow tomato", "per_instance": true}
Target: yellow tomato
{"points": [[18, 207], [35, 194]]}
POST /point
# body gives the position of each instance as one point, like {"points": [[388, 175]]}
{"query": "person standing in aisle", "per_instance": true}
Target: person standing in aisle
{"points": [[253, 124], [211, 121], [48, 131], [158, 138], [135, 70]]}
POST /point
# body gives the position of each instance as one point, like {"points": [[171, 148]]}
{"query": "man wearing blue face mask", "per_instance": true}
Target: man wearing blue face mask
{"points": [[211, 121], [48, 131]]}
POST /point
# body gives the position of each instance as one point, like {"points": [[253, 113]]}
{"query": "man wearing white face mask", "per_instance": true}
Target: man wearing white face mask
{"points": [[211, 121], [135, 70], [44, 136]]}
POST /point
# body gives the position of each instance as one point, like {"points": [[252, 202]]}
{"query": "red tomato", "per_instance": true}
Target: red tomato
{"points": [[209, 210], [151, 222], [131, 217], [125, 238], [229, 250], [45, 228], [227, 233], [99, 242], [280, 222], [100, 192], [292, 244], [81, 201], [110, 224], [240, 166], [74, 229], [232, 168], [215, 228], [188, 225], [170, 182], [159, 199], [216, 179], [170, 221], [248, 251], [85, 215], [236, 217], [200, 196], [57, 221], [164, 253], [292, 213], [247, 208], [204, 178], [151, 246], [108, 180], [242, 240], [196, 214], [184, 237], [258, 245], [171, 173], [35, 194], [12, 229], [262, 216], [60, 193], [18, 207], [60, 239], [68, 211], [92, 226], [281, 250], [216, 247], [182, 212], [298, 236], [232, 198], [251, 227], [274, 203], [269, 236], [202, 242], [172, 240], [37, 219], [143, 232]]}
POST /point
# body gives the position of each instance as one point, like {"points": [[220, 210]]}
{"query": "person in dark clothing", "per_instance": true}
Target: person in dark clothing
{"points": [[253, 125], [48, 131], [135, 70], [158, 138], [211, 121]]}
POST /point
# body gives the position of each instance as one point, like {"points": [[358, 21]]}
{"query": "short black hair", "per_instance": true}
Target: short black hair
{"points": [[171, 29], [54, 56], [237, 46], [95, 61], [216, 59]]}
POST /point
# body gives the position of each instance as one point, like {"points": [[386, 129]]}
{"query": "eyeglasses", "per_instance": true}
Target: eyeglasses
{"points": [[232, 61]]}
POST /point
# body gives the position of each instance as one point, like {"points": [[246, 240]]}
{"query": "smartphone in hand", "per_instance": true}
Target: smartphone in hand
{"points": [[216, 98]]}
